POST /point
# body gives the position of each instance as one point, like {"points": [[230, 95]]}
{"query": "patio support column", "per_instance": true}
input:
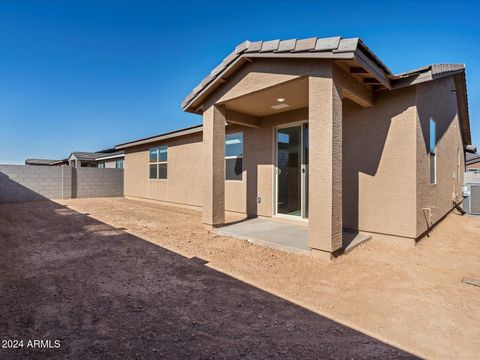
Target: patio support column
{"points": [[214, 166], [325, 166]]}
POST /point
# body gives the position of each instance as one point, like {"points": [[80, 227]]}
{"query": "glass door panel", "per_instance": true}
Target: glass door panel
{"points": [[289, 171], [305, 170]]}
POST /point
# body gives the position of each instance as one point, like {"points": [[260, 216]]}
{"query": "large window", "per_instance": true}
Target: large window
{"points": [[234, 156], [158, 162], [433, 151]]}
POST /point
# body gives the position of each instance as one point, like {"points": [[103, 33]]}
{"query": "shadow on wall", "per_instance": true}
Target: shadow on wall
{"points": [[365, 132], [12, 191], [30, 183], [443, 112], [103, 291]]}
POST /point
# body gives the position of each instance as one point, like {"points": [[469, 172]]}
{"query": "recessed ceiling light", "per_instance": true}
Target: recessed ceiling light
{"points": [[281, 99]]}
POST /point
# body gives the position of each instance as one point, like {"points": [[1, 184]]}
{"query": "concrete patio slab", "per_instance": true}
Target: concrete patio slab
{"points": [[283, 235], [270, 233]]}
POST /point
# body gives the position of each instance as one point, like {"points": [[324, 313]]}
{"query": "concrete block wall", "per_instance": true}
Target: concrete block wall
{"points": [[30, 183], [96, 182]]}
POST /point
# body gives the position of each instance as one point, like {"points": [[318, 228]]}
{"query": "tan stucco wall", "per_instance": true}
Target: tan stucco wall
{"points": [[184, 182], [379, 164], [385, 165], [265, 73], [436, 99], [184, 171]]}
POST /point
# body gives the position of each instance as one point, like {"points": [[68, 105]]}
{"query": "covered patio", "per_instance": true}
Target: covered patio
{"points": [[288, 105], [283, 235]]}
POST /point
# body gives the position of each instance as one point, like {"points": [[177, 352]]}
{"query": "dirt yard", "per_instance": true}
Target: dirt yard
{"points": [[117, 278]]}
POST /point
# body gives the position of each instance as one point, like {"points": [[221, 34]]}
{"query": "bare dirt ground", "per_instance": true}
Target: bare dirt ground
{"points": [[170, 288]]}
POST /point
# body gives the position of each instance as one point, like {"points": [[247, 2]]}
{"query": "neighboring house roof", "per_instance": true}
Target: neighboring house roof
{"points": [[44, 162], [472, 158], [164, 136], [94, 156], [330, 48]]}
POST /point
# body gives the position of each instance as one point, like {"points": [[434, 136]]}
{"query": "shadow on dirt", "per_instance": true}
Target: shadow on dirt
{"points": [[107, 294]]}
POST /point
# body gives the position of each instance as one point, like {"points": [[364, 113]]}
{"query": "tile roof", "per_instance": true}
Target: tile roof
{"points": [[332, 45], [160, 137], [42, 161], [82, 155], [472, 158], [329, 47]]}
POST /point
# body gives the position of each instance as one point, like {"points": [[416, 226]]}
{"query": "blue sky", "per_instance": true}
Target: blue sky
{"points": [[86, 75]]}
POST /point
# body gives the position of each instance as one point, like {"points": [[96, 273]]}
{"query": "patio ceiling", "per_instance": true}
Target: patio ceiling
{"points": [[284, 97]]}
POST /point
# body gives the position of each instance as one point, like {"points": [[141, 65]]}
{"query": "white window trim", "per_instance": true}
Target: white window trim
{"points": [[157, 148], [434, 153]]}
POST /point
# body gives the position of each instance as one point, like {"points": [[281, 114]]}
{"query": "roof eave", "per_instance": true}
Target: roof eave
{"points": [[170, 135], [193, 106], [462, 98]]}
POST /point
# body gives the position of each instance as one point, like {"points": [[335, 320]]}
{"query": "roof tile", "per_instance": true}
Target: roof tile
{"points": [[254, 47], [286, 45], [269, 46], [347, 45], [305, 44], [217, 70], [325, 44], [242, 47], [230, 57]]}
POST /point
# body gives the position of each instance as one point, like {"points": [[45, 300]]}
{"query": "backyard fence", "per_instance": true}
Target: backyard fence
{"points": [[29, 183]]}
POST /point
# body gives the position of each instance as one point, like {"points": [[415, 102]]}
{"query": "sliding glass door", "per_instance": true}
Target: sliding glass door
{"points": [[292, 171]]}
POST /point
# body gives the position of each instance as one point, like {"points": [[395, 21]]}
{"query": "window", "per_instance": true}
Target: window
{"points": [[234, 156], [458, 166], [119, 164], [433, 151], [158, 162], [101, 165]]}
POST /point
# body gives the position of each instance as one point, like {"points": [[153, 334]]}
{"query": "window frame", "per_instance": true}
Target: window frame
{"points": [[432, 151], [458, 166], [158, 162], [234, 156], [122, 161]]}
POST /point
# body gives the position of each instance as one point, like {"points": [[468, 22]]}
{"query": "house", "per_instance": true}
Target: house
{"points": [[109, 158], [317, 131], [46, 162], [472, 163]]}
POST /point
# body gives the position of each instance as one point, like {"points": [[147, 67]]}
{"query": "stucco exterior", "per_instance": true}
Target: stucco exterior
{"points": [[185, 174], [437, 100], [379, 165], [368, 155]]}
